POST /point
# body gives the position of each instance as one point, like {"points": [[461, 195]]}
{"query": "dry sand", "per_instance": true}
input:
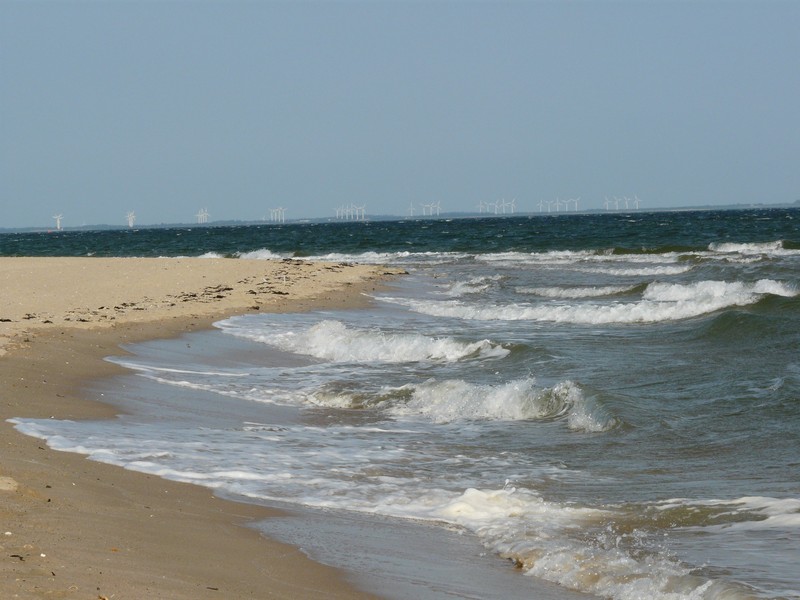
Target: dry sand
{"points": [[72, 528]]}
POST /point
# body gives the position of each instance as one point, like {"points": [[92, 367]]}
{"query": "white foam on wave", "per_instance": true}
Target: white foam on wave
{"points": [[472, 286], [150, 369], [747, 513], [770, 248], [380, 258], [651, 271], [559, 542], [458, 400], [660, 302], [262, 254], [570, 293], [559, 257], [712, 292], [334, 341], [576, 257], [542, 538]]}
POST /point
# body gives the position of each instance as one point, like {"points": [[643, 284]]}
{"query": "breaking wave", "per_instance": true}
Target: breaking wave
{"points": [[457, 400], [334, 341], [569, 293], [660, 302]]}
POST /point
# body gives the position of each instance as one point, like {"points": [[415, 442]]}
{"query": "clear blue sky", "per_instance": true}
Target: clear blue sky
{"points": [[164, 108]]}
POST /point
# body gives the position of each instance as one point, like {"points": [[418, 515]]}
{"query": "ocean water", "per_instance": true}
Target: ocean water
{"points": [[610, 402]]}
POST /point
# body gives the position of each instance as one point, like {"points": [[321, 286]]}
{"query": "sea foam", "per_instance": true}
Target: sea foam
{"points": [[571, 293], [334, 341], [458, 400], [660, 302]]}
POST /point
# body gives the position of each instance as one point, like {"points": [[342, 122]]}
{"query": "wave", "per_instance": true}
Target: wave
{"points": [[652, 271], [575, 293], [776, 247], [403, 257], [573, 546], [746, 513], [566, 543], [650, 256], [552, 256], [262, 254], [708, 291], [334, 341], [472, 286], [458, 400], [660, 302]]}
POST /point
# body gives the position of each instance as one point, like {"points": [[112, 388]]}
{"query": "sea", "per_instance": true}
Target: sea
{"points": [[546, 406]]}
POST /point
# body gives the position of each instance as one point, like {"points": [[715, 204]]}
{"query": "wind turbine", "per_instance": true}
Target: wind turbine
{"points": [[131, 217], [58, 221], [607, 202], [541, 205], [202, 215], [636, 202]]}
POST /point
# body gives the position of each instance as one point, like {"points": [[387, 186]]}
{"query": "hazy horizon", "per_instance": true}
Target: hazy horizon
{"points": [[399, 217]]}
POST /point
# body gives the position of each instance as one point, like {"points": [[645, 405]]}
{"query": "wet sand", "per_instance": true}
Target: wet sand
{"points": [[72, 528]]}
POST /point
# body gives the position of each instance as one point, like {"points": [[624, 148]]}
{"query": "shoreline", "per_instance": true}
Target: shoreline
{"points": [[78, 528]]}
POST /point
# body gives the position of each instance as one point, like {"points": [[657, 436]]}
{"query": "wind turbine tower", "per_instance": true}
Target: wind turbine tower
{"points": [[58, 221], [277, 215], [131, 217]]}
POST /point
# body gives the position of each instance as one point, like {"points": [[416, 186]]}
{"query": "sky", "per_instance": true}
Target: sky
{"points": [[164, 108]]}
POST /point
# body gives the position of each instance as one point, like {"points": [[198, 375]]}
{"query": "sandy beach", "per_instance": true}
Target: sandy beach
{"points": [[72, 528]]}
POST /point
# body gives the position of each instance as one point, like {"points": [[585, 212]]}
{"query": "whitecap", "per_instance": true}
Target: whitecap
{"points": [[261, 254], [660, 302], [574, 293], [458, 400], [334, 341]]}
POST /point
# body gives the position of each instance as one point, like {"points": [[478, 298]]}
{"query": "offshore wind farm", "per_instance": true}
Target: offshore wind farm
{"points": [[427, 210]]}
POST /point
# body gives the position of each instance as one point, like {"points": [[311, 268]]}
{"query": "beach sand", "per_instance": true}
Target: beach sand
{"points": [[73, 528]]}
